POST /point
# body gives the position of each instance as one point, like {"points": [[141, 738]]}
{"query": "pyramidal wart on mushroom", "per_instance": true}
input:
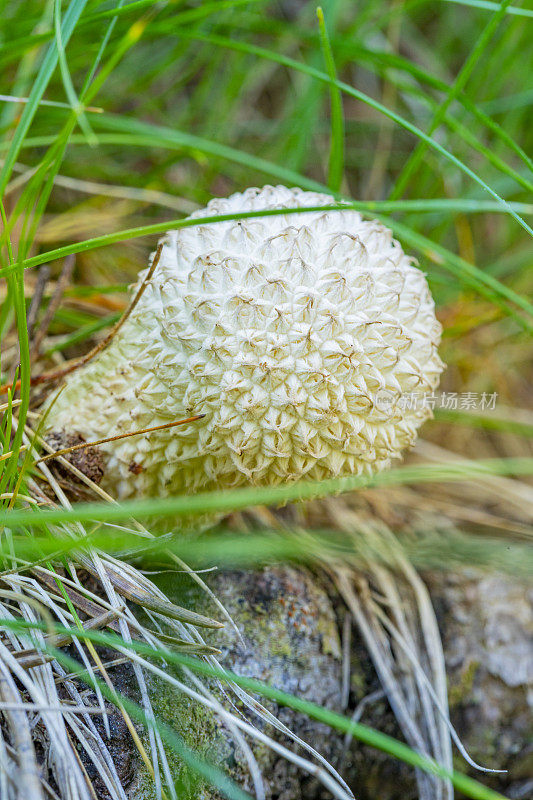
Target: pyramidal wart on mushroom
{"points": [[296, 336]]}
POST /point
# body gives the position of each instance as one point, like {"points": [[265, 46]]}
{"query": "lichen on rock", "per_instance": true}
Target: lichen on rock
{"points": [[291, 642], [291, 631]]}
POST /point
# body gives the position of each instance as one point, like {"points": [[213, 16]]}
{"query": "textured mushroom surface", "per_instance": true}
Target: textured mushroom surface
{"points": [[296, 335]]}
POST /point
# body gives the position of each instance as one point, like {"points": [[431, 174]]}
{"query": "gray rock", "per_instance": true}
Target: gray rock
{"points": [[291, 642], [291, 631], [486, 623], [487, 628]]}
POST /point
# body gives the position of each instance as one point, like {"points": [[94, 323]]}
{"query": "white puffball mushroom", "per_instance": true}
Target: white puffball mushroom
{"points": [[287, 332]]}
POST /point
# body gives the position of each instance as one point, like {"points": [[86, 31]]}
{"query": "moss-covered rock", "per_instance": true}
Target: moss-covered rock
{"points": [[291, 642], [290, 629]]}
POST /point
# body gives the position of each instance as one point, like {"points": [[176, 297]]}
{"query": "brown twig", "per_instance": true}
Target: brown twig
{"points": [[53, 305], [45, 377], [82, 445]]}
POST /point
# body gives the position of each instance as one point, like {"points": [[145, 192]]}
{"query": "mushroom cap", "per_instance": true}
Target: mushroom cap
{"points": [[296, 335]]}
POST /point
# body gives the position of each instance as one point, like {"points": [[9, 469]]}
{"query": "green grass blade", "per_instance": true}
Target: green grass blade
{"points": [[12, 48], [471, 274], [484, 421], [48, 66], [456, 88], [490, 6], [291, 63], [16, 289], [67, 81], [380, 60], [238, 499], [336, 155], [171, 137]]}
